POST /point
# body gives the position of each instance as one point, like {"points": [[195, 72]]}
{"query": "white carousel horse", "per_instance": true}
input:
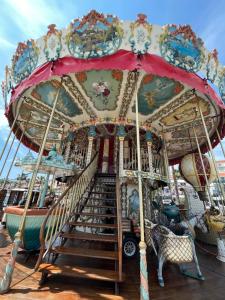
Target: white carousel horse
{"points": [[174, 248]]}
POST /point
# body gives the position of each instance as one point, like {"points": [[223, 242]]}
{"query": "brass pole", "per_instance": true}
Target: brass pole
{"points": [[33, 178], [175, 184], [7, 155], [222, 148], [212, 154], [166, 161], [14, 157], [13, 125], [221, 145], [203, 166], [7, 278], [144, 293]]}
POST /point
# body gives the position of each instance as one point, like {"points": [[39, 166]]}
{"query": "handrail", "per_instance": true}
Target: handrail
{"points": [[64, 206], [119, 226]]}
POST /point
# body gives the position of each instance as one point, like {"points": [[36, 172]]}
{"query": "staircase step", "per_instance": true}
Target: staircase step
{"points": [[105, 183], [102, 199], [96, 215], [81, 272], [95, 225], [100, 206], [86, 252], [105, 193], [90, 237], [107, 175]]}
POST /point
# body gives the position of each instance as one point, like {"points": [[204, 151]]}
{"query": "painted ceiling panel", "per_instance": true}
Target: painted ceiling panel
{"points": [[46, 92], [102, 87], [155, 91]]}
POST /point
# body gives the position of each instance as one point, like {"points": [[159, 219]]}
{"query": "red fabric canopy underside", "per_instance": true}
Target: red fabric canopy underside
{"points": [[122, 60]]}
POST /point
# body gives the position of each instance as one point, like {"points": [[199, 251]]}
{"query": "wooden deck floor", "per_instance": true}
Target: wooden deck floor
{"points": [[61, 288]]}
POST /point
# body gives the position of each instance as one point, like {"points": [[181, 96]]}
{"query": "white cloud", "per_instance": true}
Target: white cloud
{"points": [[33, 17], [6, 44], [213, 33]]}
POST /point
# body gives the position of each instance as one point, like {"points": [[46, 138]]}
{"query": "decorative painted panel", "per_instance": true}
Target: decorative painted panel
{"points": [[222, 85], [102, 87], [46, 92], [133, 207], [140, 38], [25, 60], [212, 65], [38, 117], [95, 35], [53, 43], [180, 47], [156, 91], [187, 112]]}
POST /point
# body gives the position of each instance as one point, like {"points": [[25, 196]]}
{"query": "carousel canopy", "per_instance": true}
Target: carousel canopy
{"points": [[100, 63]]}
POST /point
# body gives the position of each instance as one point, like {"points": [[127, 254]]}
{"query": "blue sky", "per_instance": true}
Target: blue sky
{"points": [[24, 19]]}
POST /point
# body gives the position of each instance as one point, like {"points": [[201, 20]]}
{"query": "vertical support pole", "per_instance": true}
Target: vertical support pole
{"points": [[212, 154], [5, 202], [11, 130], [166, 161], [44, 192], [221, 145], [148, 137], [105, 161], [203, 166], [14, 157], [91, 136], [7, 155], [67, 152], [121, 140], [175, 184], [123, 196], [7, 278], [144, 293], [121, 133], [89, 151]]}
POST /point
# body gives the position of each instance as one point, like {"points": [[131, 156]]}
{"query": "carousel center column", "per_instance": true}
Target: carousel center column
{"points": [[91, 136]]}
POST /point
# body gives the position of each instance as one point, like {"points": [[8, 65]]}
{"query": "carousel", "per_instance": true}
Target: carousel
{"points": [[121, 102]]}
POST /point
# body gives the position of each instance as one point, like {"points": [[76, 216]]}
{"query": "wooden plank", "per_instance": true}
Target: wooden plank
{"points": [[90, 237], [96, 215], [102, 199], [106, 193], [81, 272], [100, 206], [95, 225], [86, 252]]}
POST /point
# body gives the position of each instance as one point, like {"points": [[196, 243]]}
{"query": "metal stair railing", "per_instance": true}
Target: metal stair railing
{"points": [[62, 210]]}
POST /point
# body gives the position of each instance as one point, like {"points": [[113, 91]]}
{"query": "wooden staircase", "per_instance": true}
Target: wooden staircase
{"points": [[92, 235]]}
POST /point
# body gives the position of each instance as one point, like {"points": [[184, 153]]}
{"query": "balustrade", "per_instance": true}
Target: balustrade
{"points": [[130, 161]]}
